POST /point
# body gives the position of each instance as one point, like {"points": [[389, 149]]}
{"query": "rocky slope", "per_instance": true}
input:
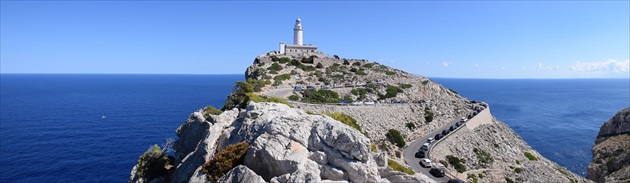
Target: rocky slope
{"points": [[611, 152], [495, 153], [285, 145], [298, 144]]}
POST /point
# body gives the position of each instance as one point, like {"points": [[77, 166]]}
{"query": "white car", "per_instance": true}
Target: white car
{"points": [[425, 146], [430, 140], [357, 103], [369, 103], [464, 119], [425, 163]]}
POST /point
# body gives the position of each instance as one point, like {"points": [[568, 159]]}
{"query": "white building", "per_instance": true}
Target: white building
{"points": [[298, 44]]}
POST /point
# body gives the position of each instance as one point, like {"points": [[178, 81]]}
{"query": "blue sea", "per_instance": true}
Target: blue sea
{"points": [[52, 127]]}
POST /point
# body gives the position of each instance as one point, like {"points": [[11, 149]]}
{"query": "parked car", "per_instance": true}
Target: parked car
{"points": [[343, 103], [298, 88], [369, 103], [452, 128], [420, 154], [310, 87], [456, 181], [444, 132], [325, 87], [438, 136], [425, 163], [464, 119], [458, 124], [357, 103], [426, 145], [430, 140], [437, 172], [348, 85], [424, 148], [338, 86]]}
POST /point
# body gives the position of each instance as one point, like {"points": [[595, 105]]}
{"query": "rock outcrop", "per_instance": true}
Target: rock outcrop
{"points": [[495, 153], [611, 152], [286, 145]]}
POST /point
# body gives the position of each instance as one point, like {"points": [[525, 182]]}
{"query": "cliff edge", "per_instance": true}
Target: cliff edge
{"points": [[611, 152]]}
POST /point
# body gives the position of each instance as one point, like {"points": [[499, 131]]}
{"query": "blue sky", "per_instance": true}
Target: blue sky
{"points": [[453, 39]]}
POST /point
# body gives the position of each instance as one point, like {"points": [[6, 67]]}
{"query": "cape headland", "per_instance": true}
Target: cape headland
{"points": [[611, 152], [305, 116]]}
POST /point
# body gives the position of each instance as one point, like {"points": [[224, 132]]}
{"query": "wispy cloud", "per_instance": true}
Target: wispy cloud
{"points": [[476, 65], [446, 64], [541, 66], [610, 65]]}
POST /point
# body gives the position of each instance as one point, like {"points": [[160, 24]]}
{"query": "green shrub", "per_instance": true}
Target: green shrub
{"points": [[282, 77], [285, 60], [358, 92], [428, 115], [320, 96], [257, 98], [275, 67], [530, 156], [395, 137], [425, 82], [368, 65], [389, 73], [294, 97], [392, 164], [457, 163], [561, 171], [238, 97], [508, 180], [274, 58], [307, 68], [411, 126], [209, 110], [151, 163], [345, 119], [391, 91], [356, 64], [518, 162], [345, 62], [405, 85], [473, 177], [319, 65], [361, 72], [373, 148], [354, 70], [483, 156], [226, 159], [518, 170], [258, 84]]}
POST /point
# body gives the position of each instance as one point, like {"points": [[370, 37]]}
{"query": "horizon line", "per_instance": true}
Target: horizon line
{"points": [[440, 77]]}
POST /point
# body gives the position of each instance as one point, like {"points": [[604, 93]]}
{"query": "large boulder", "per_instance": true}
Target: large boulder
{"points": [[241, 174]]}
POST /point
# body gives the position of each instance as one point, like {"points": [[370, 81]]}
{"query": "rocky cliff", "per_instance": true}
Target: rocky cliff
{"points": [[302, 144], [611, 152]]}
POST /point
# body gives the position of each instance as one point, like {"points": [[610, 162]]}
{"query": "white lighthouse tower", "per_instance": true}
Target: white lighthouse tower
{"points": [[297, 33], [298, 46]]}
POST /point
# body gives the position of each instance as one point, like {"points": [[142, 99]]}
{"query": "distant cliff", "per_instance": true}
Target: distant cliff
{"points": [[611, 152]]}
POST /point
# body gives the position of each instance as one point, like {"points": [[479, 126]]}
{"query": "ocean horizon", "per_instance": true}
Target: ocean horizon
{"points": [[57, 127]]}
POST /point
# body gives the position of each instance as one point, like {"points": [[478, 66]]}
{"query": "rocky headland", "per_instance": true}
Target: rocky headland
{"points": [[611, 152], [267, 131]]}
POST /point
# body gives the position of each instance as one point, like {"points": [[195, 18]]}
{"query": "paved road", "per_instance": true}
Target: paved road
{"points": [[410, 152], [282, 92]]}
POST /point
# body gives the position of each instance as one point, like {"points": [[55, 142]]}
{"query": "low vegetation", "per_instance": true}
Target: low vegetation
{"points": [[410, 125], [518, 170], [294, 98], [320, 96], [530, 156], [359, 92], [457, 163], [405, 85], [242, 93], [392, 164], [425, 82], [258, 84], [345, 119], [224, 160], [395, 137], [483, 156], [428, 115], [452, 91], [275, 67], [389, 73], [391, 91], [209, 110], [282, 77], [154, 162], [473, 177], [373, 148], [257, 98]]}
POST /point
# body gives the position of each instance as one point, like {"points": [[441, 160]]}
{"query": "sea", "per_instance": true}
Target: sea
{"points": [[93, 127]]}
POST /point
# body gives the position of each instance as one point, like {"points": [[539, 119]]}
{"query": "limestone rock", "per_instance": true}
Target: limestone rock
{"points": [[241, 174], [611, 152]]}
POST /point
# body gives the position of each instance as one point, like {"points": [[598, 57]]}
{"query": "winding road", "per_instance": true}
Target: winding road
{"points": [[413, 147]]}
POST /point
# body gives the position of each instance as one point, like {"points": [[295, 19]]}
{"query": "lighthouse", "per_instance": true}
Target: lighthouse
{"points": [[298, 46], [297, 33]]}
